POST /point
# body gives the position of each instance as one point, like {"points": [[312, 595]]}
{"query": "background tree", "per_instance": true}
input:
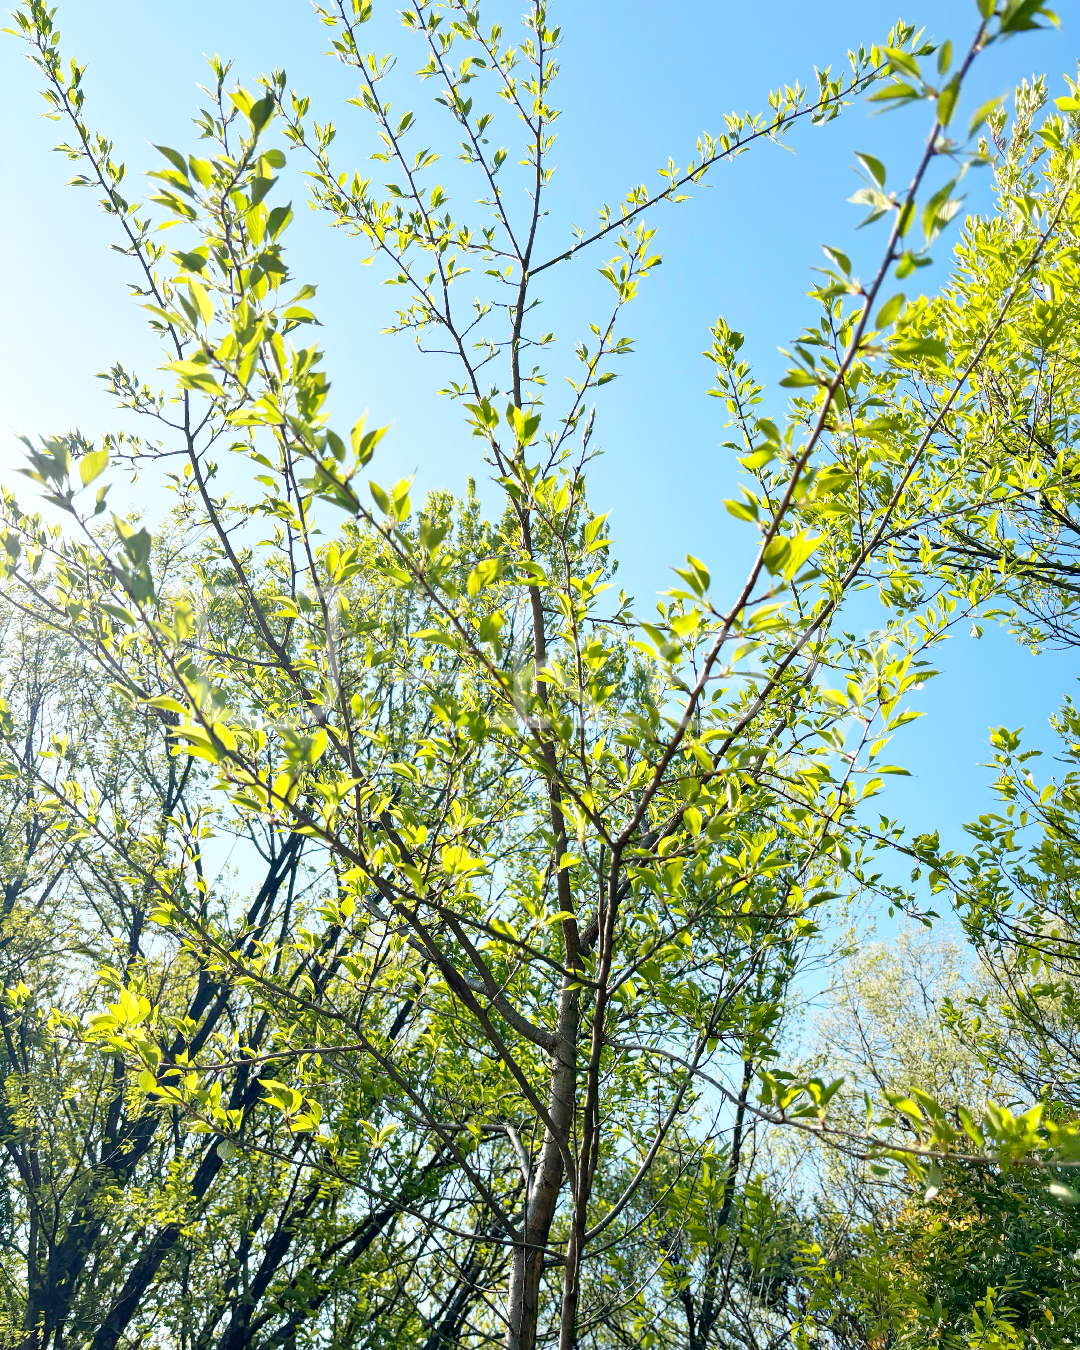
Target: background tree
{"points": [[118, 1221]]}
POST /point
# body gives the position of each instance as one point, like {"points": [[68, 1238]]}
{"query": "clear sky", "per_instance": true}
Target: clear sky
{"points": [[639, 82]]}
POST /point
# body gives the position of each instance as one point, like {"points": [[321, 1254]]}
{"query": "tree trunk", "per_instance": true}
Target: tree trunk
{"points": [[542, 1195]]}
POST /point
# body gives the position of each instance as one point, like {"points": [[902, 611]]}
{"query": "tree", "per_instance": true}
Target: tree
{"points": [[1022, 444], [116, 1217], [986, 1250], [569, 860]]}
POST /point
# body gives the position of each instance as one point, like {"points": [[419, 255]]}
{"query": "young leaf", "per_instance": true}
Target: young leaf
{"points": [[889, 310], [946, 104], [91, 465], [873, 167]]}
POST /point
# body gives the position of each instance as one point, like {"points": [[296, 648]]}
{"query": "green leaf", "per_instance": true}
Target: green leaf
{"points": [[797, 378], [364, 443], [483, 574], [194, 376], [203, 169], [939, 210], [437, 635], [873, 167], [400, 499], [904, 61], [91, 465], [921, 346], [878, 202], [889, 310], [260, 187], [201, 300], [897, 92], [800, 547], [279, 220], [742, 510], [944, 57], [261, 112], [174, 157], [776, 554], [700, 570], [194, 261], [757, 459], [840, 259], [768, 429], [946, 104], [1019, 16], [908, 262], [906, 1106], [592, 530], [525, 427], [167, 704]]}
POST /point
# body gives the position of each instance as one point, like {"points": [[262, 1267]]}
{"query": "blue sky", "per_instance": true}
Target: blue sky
{"points": [[639, 82]]}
